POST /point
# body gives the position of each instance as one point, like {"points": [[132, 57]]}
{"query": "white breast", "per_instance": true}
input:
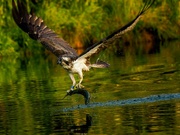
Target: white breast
{"points": [[79, 66]]}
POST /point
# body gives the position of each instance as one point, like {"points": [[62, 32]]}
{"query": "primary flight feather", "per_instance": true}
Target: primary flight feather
{"points": [[66, 55]]}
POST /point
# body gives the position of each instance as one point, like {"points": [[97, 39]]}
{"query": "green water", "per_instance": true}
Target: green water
{"points": [[32, 88]]}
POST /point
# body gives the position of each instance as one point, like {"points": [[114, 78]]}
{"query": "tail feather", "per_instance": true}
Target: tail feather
{"points": [[100, 64]]}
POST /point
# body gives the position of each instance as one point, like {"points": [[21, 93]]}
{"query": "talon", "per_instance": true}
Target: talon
{"points": [[68, 91], [79, 86], [72, 88]]}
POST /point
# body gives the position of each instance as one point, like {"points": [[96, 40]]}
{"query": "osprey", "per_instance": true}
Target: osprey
{"points": [[67, 57]]}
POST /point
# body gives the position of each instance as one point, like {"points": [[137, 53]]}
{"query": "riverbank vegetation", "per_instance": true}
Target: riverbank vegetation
{"points": [[84, 22]]}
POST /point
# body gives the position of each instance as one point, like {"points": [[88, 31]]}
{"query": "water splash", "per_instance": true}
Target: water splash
{"points": [[149, 99]]}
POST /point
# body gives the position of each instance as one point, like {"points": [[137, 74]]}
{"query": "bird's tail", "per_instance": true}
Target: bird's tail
{"points": [[100, 64]]}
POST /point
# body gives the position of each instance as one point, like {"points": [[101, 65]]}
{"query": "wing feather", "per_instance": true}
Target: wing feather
{"points": [[103, 44], [37, 30]]}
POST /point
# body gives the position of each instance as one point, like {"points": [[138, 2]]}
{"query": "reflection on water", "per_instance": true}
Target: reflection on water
{"points": [[32, 88]]}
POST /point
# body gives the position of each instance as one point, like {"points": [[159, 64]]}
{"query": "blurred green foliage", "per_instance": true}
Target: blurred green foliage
{"points": [[83, 22]]}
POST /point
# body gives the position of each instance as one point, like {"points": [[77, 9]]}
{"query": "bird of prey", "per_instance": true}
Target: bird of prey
{"points": [[67, 57]]}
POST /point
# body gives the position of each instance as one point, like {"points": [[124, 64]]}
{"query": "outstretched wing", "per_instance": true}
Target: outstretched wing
{"points": [[102, 44], [37, 30]]}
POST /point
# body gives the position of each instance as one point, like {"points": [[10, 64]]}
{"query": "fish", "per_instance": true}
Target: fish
{"points": [[79, 91]]}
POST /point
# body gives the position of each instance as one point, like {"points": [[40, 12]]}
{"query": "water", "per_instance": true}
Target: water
{"points": [[32, 88]]}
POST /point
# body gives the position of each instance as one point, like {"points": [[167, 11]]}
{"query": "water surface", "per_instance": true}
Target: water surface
{"points": [[32, 88]]}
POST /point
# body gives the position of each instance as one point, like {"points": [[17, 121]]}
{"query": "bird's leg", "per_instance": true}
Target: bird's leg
{"points": [[79, 85], [73, 80]]}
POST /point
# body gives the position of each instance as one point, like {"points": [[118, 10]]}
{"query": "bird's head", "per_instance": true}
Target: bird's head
{"points": [[65, 62]]}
